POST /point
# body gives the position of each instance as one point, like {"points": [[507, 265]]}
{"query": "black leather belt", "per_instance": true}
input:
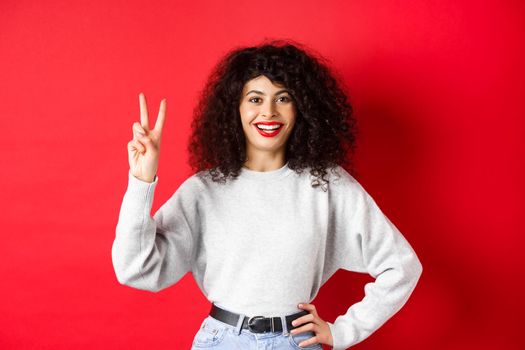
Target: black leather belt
{"points": [[255, 324]]}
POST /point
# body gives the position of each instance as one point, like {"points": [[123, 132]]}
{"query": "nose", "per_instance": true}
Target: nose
{"points": [[268, 109]]}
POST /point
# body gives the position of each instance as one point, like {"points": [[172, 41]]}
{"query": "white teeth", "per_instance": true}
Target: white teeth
{"points": [[268, 127]]}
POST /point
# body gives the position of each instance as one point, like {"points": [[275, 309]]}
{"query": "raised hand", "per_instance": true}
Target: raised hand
{"points": [[144, 149]]}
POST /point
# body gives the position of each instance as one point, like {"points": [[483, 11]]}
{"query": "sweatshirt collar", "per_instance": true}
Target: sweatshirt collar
{"points": [[265, 175]]}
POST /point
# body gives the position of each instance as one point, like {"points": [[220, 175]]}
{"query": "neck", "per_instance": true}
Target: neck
{"points": [[265, 163]]}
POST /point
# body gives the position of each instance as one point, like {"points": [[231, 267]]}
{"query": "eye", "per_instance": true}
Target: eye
{"points": [[286, 98], [251, 99]]}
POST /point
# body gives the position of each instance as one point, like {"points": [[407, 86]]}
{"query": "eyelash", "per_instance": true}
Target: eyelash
{"points": [[286, 97]]}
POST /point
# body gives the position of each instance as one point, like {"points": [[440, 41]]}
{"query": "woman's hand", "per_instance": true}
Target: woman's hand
{"points": [[312, 322], [144, 149]]}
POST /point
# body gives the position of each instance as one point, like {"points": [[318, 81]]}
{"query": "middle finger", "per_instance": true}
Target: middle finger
{"points": [[143, 112], [137, 130], [309, 327], [303, 319]]}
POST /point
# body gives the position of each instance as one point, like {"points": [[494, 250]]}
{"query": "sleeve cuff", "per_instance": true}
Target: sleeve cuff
{"points": [[140, 189], [337, 337]]}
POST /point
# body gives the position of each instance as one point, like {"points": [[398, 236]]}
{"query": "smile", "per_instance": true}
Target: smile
{"points": [[268, 130]]}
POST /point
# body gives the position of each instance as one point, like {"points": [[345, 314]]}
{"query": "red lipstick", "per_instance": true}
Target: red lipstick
{"points": [[269, 133]]}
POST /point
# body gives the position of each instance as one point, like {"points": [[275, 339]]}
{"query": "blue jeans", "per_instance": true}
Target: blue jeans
{"points": [[215, 334]]}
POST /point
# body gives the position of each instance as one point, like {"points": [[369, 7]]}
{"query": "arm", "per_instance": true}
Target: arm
{"points": [[369, 242], [152, 253]]}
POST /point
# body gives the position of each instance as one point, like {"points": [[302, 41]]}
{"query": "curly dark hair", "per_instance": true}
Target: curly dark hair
{"points": [[324, 133]]}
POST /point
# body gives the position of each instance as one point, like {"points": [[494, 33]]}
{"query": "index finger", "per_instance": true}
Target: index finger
{"points": [[143, 112], [161, 117]]}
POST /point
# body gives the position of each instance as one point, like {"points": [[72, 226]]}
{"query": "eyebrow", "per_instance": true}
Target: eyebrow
{"points": [[262, 93]]}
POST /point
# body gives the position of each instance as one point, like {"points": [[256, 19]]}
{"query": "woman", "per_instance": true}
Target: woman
{"points": [[270, 213]]}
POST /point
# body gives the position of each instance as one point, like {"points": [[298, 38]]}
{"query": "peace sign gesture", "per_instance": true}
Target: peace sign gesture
{"points": [[144, 149]]}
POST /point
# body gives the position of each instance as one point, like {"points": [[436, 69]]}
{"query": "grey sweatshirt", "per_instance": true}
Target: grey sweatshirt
{"points": [[265, 242]]}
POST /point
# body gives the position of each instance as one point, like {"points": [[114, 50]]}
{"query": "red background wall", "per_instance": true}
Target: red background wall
{"points": [[438, 89]]}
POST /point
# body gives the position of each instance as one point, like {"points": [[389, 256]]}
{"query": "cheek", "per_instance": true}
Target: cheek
{"points": [[289, 112], [247, 115], [291, 120]]}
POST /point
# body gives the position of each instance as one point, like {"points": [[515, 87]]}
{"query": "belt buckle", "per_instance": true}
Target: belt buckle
{"points": [[252, 324]]}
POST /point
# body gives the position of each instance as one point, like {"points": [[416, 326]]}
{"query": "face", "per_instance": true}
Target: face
{"points": [[271, 106]]}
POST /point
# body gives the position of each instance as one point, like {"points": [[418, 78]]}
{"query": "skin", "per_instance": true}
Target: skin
{"points": [[265, 153], [312, 323], [144, 149]]}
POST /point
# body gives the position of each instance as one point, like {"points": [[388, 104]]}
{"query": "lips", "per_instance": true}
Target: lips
{"points": [[268, 133], [269, 123]]}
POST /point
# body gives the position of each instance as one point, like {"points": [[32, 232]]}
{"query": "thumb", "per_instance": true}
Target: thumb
{"points": [[145, 139]]}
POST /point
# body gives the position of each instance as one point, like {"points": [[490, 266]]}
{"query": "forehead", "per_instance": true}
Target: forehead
{"points": [[261, 83]]}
